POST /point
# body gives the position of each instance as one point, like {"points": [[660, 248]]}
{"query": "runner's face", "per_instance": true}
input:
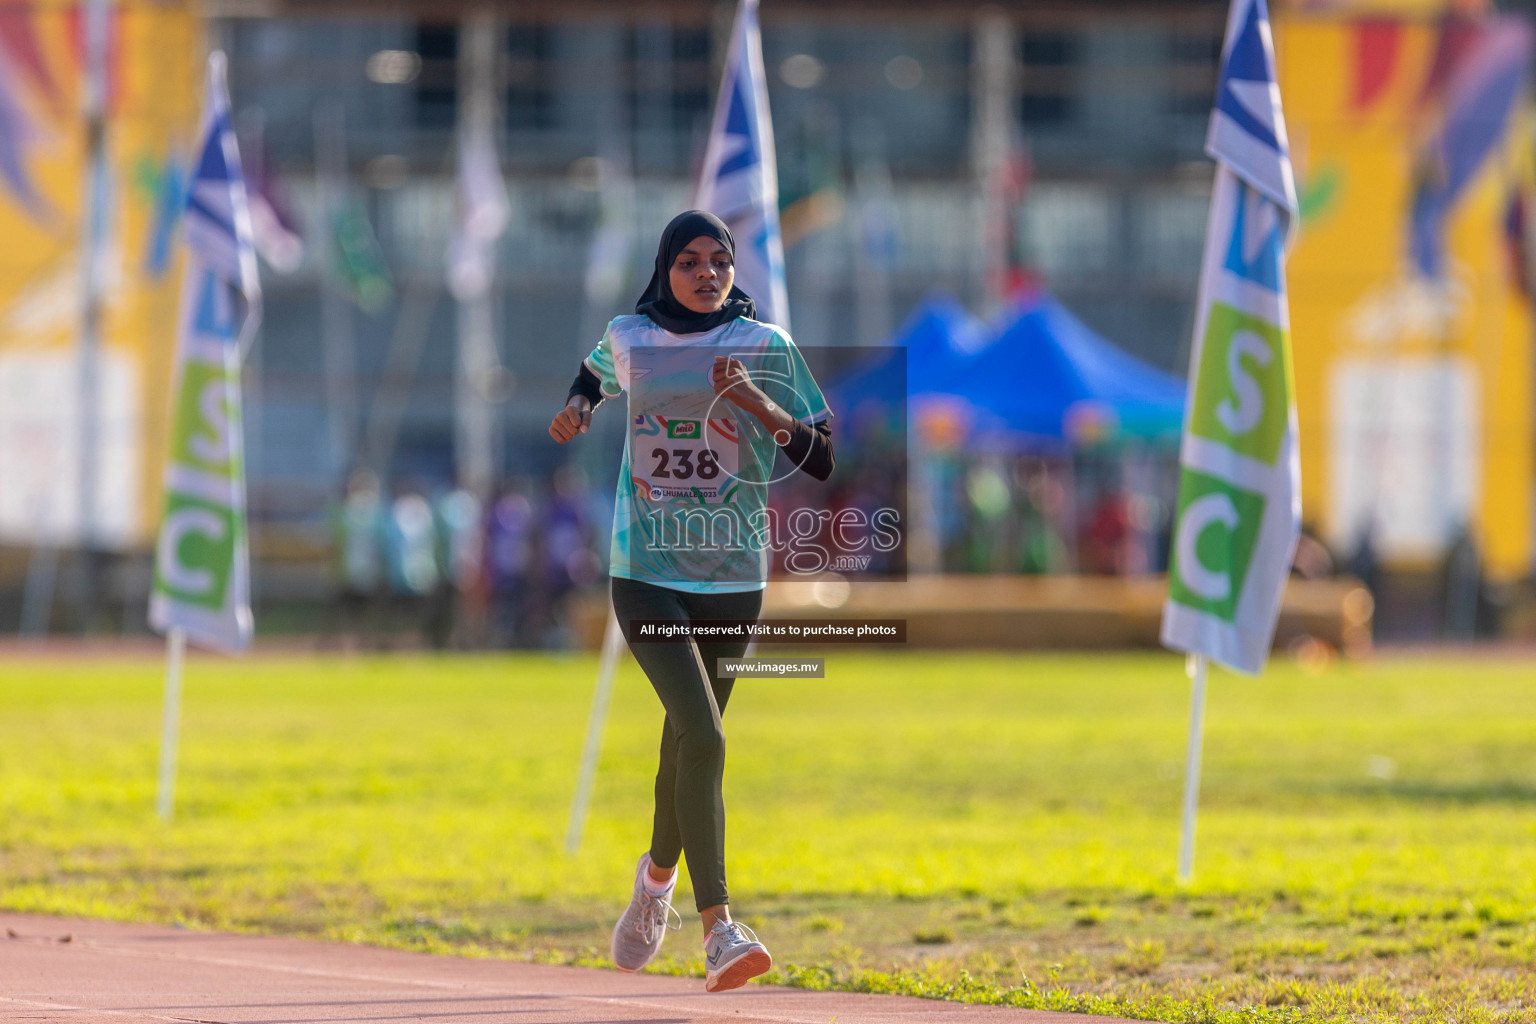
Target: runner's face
{"points": [[702, 275]]}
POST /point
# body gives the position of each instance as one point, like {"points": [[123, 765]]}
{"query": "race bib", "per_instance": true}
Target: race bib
{"points": [[689, 460]]}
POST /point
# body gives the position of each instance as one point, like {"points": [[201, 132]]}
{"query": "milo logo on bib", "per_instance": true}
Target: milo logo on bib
{"points": [[683, 428]]}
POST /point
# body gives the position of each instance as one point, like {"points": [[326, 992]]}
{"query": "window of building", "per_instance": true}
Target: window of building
{"points": [[693, 93], [1194, 60], [436, 84], [1049, 62], [530, 97]]}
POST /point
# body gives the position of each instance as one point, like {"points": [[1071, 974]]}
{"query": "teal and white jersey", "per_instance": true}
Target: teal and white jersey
{"points": [[691, 509]]}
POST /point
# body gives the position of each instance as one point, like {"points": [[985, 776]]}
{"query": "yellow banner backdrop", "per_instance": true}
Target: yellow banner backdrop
{"points": [[1410, 306], [154, 50]]}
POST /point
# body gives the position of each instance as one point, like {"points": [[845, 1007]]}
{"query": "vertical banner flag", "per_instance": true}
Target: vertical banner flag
{"points": [[484, 213], [608, 257], [739, 182], [1239, 505], [202, 566]]}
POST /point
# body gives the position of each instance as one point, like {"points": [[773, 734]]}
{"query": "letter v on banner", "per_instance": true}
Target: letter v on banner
{"points": [[201, 588], [1239, 506]]}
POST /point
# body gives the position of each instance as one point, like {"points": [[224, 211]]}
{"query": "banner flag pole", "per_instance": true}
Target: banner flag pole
{"points": [[1195, 665], [170, 727], [201, 589], [1238, 513], [613, 646]]}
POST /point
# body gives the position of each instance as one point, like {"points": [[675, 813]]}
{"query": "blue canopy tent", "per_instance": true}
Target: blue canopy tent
{"points": [[1047, 375], [1042, 382], [937, 335], [1044, 375]]}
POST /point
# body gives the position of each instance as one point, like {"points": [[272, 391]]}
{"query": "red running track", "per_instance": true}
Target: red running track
{"points": [[95, 972]]}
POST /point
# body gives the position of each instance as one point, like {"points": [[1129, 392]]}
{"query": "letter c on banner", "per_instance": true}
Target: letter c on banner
{"points": [[1248, 412], [1205, 583], [178, 524]]}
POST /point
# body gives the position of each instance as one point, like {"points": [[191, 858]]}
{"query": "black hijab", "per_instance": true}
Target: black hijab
{"points": [[662, 306]]}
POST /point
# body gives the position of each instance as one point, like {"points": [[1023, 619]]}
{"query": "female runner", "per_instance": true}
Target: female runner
{"points": [[713, 394]]}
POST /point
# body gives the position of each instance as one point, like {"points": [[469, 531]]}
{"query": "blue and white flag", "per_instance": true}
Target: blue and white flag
{"points": [[484, 212], [1239, 507], [613, 243], [202, 562], [739, 182]]}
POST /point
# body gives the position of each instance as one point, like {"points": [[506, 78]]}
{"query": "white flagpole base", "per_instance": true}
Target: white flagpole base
{"points": [[1195, 666], [170, 728], [613, 646]]}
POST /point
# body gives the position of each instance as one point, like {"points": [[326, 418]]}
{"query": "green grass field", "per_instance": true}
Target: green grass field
{"points": [[989, 827]]}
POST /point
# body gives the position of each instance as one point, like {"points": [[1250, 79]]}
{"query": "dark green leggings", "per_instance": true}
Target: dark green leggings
{"points": [[690, 812]]}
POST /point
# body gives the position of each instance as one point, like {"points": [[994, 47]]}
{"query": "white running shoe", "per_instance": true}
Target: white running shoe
{"points": [[732, 956], [637, 937]]}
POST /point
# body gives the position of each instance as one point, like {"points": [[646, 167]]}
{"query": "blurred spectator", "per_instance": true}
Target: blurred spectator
{"points": [[566, 554], [509, 546], [989, 502], [598, 511], [860, 493], [945, 500], [357, 525], [1313, 560], [1042, 502], [1461, 586], [1364, 563], [462, 596], [411, 562], [1105, 538]]}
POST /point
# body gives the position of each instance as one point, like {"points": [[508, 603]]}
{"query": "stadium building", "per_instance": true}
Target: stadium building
{"points": [[901, 128]]}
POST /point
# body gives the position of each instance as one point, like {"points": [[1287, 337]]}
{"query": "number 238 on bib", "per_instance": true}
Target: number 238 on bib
{"points": [[690, 460]]}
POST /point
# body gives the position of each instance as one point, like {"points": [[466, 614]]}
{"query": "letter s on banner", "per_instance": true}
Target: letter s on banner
{"points": [[1248, 412], [212, 402]]}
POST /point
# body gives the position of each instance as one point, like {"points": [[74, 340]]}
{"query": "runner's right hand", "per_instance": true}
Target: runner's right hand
{"points": [[574, 419]]}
